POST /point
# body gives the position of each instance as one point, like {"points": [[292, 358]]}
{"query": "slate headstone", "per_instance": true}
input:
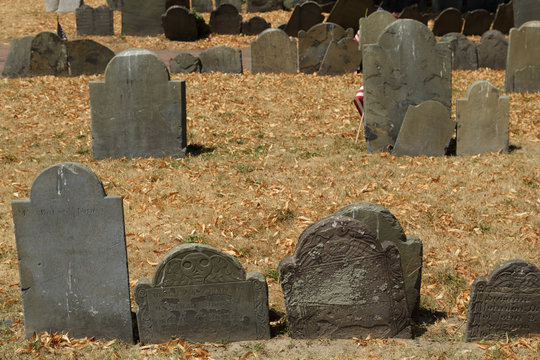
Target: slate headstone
{"points": [[523, 60], [18, 59], [372, 26], [201, 294], [137, 111], [98, 21], [506, 303], [342, 282], [202, 6], [504, 18], [72, 256], [274, 52], [142, 17], [441, 5], [525, 11], [226, 20], [263, 5], [185, 63], [464, 51], [342, 57], [303, 18], [48, 55], [492, 50], [448, 21], [411, 12], [255, 26], [221, 58], [179, 24], [346, 13], [87, 57], [115, 4], [236, 3], [477, 22], [169, 3]]}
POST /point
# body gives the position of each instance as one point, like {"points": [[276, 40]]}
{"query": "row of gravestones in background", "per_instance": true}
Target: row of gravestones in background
{"points": [[354, 273]]}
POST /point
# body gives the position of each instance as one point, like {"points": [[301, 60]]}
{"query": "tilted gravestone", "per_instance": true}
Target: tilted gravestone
{"points": [[226, 20], [448, 21], [342, 57], [386, 227], [185, 63], [274, 52], [372, 26], [137, 110], [426, 130], [179, 24], [411, 12], [523, 60], [492, 50], [255, 26], [506, 303], [142, 17], [72, 256], [221, 58], [347, 12], [464, 51], [303, 18], [406, 67], [98, 21], [87, 57], [62, 6], [263, 5], [525, 11], [201, 294], [202, 6], [482, 120], [236, 3], [115, 4], [477, 22], [441, 5], [48, 55], [342, 282], [504, 18], [18, 60]]}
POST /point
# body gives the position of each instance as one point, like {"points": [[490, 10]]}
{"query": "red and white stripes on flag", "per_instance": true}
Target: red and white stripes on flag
{"points": [[359, 100], [357, 37]]}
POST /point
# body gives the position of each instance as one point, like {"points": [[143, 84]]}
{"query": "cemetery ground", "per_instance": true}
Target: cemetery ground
{"points": [[267, 156]]}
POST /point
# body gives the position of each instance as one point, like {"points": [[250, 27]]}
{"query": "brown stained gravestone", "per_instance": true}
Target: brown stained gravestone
{"points": [[202, 6], [372, 26], [303, 18], [201, 294], [525, 11], [98, 21], [346, 13], [48, 55], [221, 58], [274, 52], [255, 26], [72, 256], [342, 57], [263, 5], [506, 303], [226, 20], [477, 22], [185, 63], [504, 18], [236, 3], [482, 120], [448, 21], [342, 282], [179, 24], [87, 57], [464, 51], [492, 50], [523, 60], [142, 17], [18, 59]]}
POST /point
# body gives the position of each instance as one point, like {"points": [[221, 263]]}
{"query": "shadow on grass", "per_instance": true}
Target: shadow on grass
{"points": [[451, 149], [424, 317], [198, 149]]}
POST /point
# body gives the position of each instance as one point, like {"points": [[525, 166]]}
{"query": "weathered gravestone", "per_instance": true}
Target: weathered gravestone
{"points": [[412, 12], [226, 20], [115, 4], [477, 22], [255, 26], [492, 50], [87, 57], [142, 17], [525, 10], [386, 227], [202, 294], [342, 282], [523, 60], [506, 303], [263, 5], [179, 24], [48, 55], [221, 58], [18, 60], [504, 18], [346, 13], [274, 52], [482, 120], [185, 63], [405, 67], [441, 5], [303, 18], [137, 110], [448, 21], [372, 26], [236, 3], [464, 51], [169, 3], [341, 57], [98, 21], [72, 256], [202, 6], [62, 6]]}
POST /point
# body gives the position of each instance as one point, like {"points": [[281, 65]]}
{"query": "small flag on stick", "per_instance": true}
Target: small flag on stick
{"points": [[359, 100], [59, 31]]}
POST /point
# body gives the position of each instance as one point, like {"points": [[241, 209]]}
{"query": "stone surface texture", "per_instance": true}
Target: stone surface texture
{"points": [[226, 20], [48, 55], [255, 26], [87, 57], [18, 59], [221, 58], [115, 4], [185, 63], [504, 18], [274, 52], [523, 60], [347, 12], [372, 26], [492, 50], [448, 21], [464, 51], [236, 3], [202, 6], [525, 11], [142, 17], [342, 57], [98, 21]]}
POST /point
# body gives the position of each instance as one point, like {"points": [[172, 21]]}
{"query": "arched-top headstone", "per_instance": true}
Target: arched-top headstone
{"points": [[448, 21], [303, 18], [274, 52], [372, 26], [347, 12], [525, 11], [477, 22], [226, 20], [236, 3], [492, 50], [464, 51], [523, 61], [221, 58], [255, 26], [87, 57], [142, 17], [504, 18], [48, 55], [342, 57], [179, 24]]}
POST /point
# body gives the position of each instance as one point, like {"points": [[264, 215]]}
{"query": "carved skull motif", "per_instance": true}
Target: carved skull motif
{"points": [[196, 267]]}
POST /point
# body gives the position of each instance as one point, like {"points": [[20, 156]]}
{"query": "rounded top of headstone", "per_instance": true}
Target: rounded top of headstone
{"points": [[531, 24], [516, 274], [405, 29], [493, 33], [46, 36], [226, 8], [482, 88], [138, 65], [272, 32]]}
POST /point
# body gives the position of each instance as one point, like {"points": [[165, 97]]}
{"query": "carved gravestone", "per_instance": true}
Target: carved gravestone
{"points": [[115, 4], [303, 18], [347, 12], [185, 63], [411, 12], [405, 67], [236, 3], [386, 227], [263, 5], [523, 60], [179, 24], [226, 20], [87, 57], [18, 60], [464, 51], [525, 10], [72, 256], [342, 282], [255, 26], [202, 6], [482, 120], [221, 58], [142, 17], [48, 55], [169, 3], [492, 50], [201, 294], [441, 5], [372, 26], [506, 303], [274, 52], [137, 110], [477, 22], [98, 21], [448, 21], [504, 18], [342, 57], [426, 130]]}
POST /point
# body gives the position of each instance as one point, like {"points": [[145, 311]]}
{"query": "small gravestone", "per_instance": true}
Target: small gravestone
{"points": [[98, 21], [226, 20], [48, 55], [87, 57], [179, 24], [482, 120], [18, 60], [342, 57], [441, 5], [523, 61], [137, 110], [263, 5], [255, 26], [274, 52], [477, 22], [201, 294], [504, 18], [236, 3], [142, 17], [169, 3], [185, 63], [372, 26], [115, 4], [448, 21], [492, 50], [525, 10], [386, 227], [411, 12], [221, 58], [506, 303], [426, 130], [72, 256], [342, 282], [303, 18], [347, 12], [464, 52]]}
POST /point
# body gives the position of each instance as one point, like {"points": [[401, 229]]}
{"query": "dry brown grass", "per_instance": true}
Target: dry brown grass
{"points": [[283, 157]]}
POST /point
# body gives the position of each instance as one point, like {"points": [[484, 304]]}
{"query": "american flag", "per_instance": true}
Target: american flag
{"points": [[359, 100], [60, 32]]}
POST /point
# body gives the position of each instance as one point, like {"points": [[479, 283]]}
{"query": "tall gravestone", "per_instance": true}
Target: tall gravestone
{"points": [[504, 18], [221, 58], [303, 18], [523, 60], [98, 21], [142, 17], [342, 282], [87, 57], [492, 50], [226, 20], [72, 256], [18, 59], [477, 22], [525, 11], [448, 21], [202, 294], [464, 51], [506, 303], [274, 52], [48, 55], [138, 110], [346, 13], [342, 57], [372, 26]]}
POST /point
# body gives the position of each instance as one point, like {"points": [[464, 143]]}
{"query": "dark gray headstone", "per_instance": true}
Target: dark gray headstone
{"points": [[372, 26], [142, 17], [263, 5], [274, 52], [441, 5], [525, 10], [201, 294], [236, 3], [464, 52], [48, 55], [346, 13], [98, 21], [255, 26], [72, 256], [411, 12], [506, 303], [477, 22], [426, 130], [492, 50], [202, 6], [185, 63], [180, 24], [226, 20], [342, 57], [386, 227], [504, 18], [137, 111], [18, 60], [342, 282], [87, 57], [448, 21], [169, 3], [115, 4], [523, 61], [221, 58], [303, 18]]}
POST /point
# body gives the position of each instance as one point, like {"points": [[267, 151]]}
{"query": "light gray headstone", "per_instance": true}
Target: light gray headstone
{"points": [[274, 52], [263, 5], [347, 12], [464, 51], [304, 17], [523, 60], [477, 22], [372, 26], [142, 17], [72, 256], [18, 60], [525, 11], [202, 6], [226, 20], [48, 55], [482, 120], [236, 3], [201, 294], [66, 6], [98, 21], [504, 17], [51, 5], [185, 63], [492, 50], [137, 110], [221, 58], [87, 57], [342, 57]]}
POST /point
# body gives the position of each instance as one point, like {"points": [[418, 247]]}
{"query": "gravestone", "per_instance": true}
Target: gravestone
{"points": [[98, 21], [87, 57], [201, 294], [142, 17], [411, 12], [72, 256], [477, 22], [346, 13], [48, 55], [179, 24], [274, 52], [441, 5], [372, 26], [342, 57], [221, 58], [263, 5], [303, 18], [137, 110], [492, 50], [226, 20], [504, 18], [386, 227], [236, 3], [464, 51], [115, 4], [255, 26], [18, 59], [169, 3], [202, 6], [448, 21], [51, 5], [426, 130], [185, 63], [62, 6], [525, 10], [342, 282], [506, 303], [482, 120], [523, 60], [405, 67]]}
